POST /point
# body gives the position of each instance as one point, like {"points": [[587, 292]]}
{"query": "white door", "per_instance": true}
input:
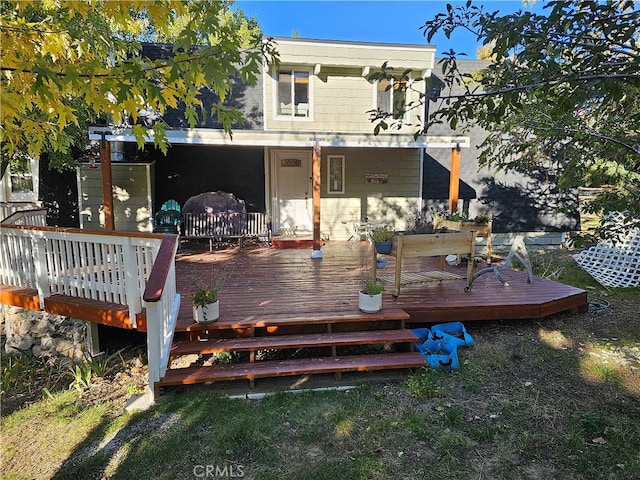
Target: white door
{"points": [[293, 190]]}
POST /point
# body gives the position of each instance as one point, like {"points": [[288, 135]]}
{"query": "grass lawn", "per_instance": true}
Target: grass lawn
{"points": [[557, 398]]}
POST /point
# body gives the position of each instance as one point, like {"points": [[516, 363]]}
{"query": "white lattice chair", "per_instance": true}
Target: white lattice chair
{"points": [[614, 263]]}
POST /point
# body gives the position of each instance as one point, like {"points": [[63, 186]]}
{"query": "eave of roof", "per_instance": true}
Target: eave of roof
{"points": [[205, 136]]}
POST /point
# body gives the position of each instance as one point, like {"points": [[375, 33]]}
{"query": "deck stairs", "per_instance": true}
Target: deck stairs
{"points": [[270, 347]]}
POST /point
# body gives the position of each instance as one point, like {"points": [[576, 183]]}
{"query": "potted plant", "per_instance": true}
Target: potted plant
{"points": [[206, 305], [382, 239], [370, 294]]}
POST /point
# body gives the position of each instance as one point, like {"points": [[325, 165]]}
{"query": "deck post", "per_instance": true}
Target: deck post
{"points": [[454, 179], [315, 175], [107, 184], [40, 265], [132, 288]]}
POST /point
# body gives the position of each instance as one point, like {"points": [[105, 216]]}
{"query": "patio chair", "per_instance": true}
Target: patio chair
{"points": [[167, 221], [518, 250], [171, 205]]}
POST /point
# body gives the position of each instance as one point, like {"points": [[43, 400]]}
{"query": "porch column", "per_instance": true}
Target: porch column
{"points": [[315, 176], [454, 179], [107, 184]]}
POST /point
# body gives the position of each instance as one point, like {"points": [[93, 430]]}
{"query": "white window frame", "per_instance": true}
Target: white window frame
{"points": [[332, 187], [407, 99], [276, 101], [22, 196]]}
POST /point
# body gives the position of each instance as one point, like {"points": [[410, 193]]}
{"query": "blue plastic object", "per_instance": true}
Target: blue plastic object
{"points": [[453, 332], [421, 333], [381, 262], [439, 354]]}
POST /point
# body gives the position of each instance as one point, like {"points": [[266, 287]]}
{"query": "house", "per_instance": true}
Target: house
{"points": [[307, 153]]}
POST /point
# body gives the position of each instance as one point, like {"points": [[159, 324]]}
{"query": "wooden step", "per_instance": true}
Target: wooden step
{"points": [[390, 311], [311, 340], [250, 371]]}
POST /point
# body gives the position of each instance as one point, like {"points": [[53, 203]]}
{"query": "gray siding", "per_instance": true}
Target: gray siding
{"points": [[132, 196], [519, 201]]}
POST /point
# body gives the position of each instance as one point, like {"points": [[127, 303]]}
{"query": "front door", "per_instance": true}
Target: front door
{"points": [[293, 190]]}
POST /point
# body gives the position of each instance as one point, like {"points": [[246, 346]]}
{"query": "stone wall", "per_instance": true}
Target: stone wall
{"points": [[42, 333]]}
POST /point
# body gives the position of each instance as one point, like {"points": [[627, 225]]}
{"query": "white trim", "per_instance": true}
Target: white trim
{"points": [[30, 196], [407, 97], [366, 70], [258, 138], [363, 45], [274, 83], [265, 68], [317, 68], [342, 191]]}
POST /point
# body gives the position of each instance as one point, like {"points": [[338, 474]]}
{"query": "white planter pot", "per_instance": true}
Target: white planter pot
{"points": [[208, 313], [369, 303]]}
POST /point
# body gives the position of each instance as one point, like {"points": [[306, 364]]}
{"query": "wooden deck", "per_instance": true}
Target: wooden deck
{"points": [[286, 317], [276, 287], [281, 300]]}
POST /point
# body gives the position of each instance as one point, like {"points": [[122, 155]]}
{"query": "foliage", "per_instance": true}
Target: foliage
{"points": [[66, 63], [420, 223], [27, 375], [81, 374], [559, 93], [461, 217], [382, 234], [209, 285], [370, 284]]}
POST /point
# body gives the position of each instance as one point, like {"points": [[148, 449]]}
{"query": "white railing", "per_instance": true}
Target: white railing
{"points": [[225, 225], [162, 303], [8, 208], [114, 267], [92, 265], [32, 218]]}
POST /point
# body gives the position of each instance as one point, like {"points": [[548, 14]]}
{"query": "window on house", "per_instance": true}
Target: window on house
{"points": [[391, 96], [335, 174], [22, 183], [293, 93]]}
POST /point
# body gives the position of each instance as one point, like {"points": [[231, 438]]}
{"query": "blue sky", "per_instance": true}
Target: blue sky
{"points": [[384, 21]]}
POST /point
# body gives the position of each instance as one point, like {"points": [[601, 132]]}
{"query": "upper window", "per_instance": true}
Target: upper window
{"points": [[293, 93], [391, 96]]}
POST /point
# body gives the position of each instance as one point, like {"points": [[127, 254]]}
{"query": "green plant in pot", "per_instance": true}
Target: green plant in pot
{"points": [[370, 294], [382, 238], [206, 306]]}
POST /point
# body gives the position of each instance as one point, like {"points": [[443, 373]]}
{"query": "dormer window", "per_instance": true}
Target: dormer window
{"points": [[293, 93], [391, 96]]}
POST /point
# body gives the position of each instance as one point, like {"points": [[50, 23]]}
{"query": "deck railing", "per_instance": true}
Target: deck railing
{"points": [[34, 218], [114, 267], [8, 208], [225, 225]]}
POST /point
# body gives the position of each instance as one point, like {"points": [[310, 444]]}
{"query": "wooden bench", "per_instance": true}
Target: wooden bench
{"points": [[429, 245], [225, 226]]}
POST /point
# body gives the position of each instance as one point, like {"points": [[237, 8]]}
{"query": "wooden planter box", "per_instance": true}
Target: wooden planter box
{"points": [[482, 230], [429, 245]]}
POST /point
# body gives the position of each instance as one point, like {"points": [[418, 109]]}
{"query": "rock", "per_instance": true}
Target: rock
{"points": [[20, 342], [47, 343], [40, 328], [65, 347], [25, 326]]}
